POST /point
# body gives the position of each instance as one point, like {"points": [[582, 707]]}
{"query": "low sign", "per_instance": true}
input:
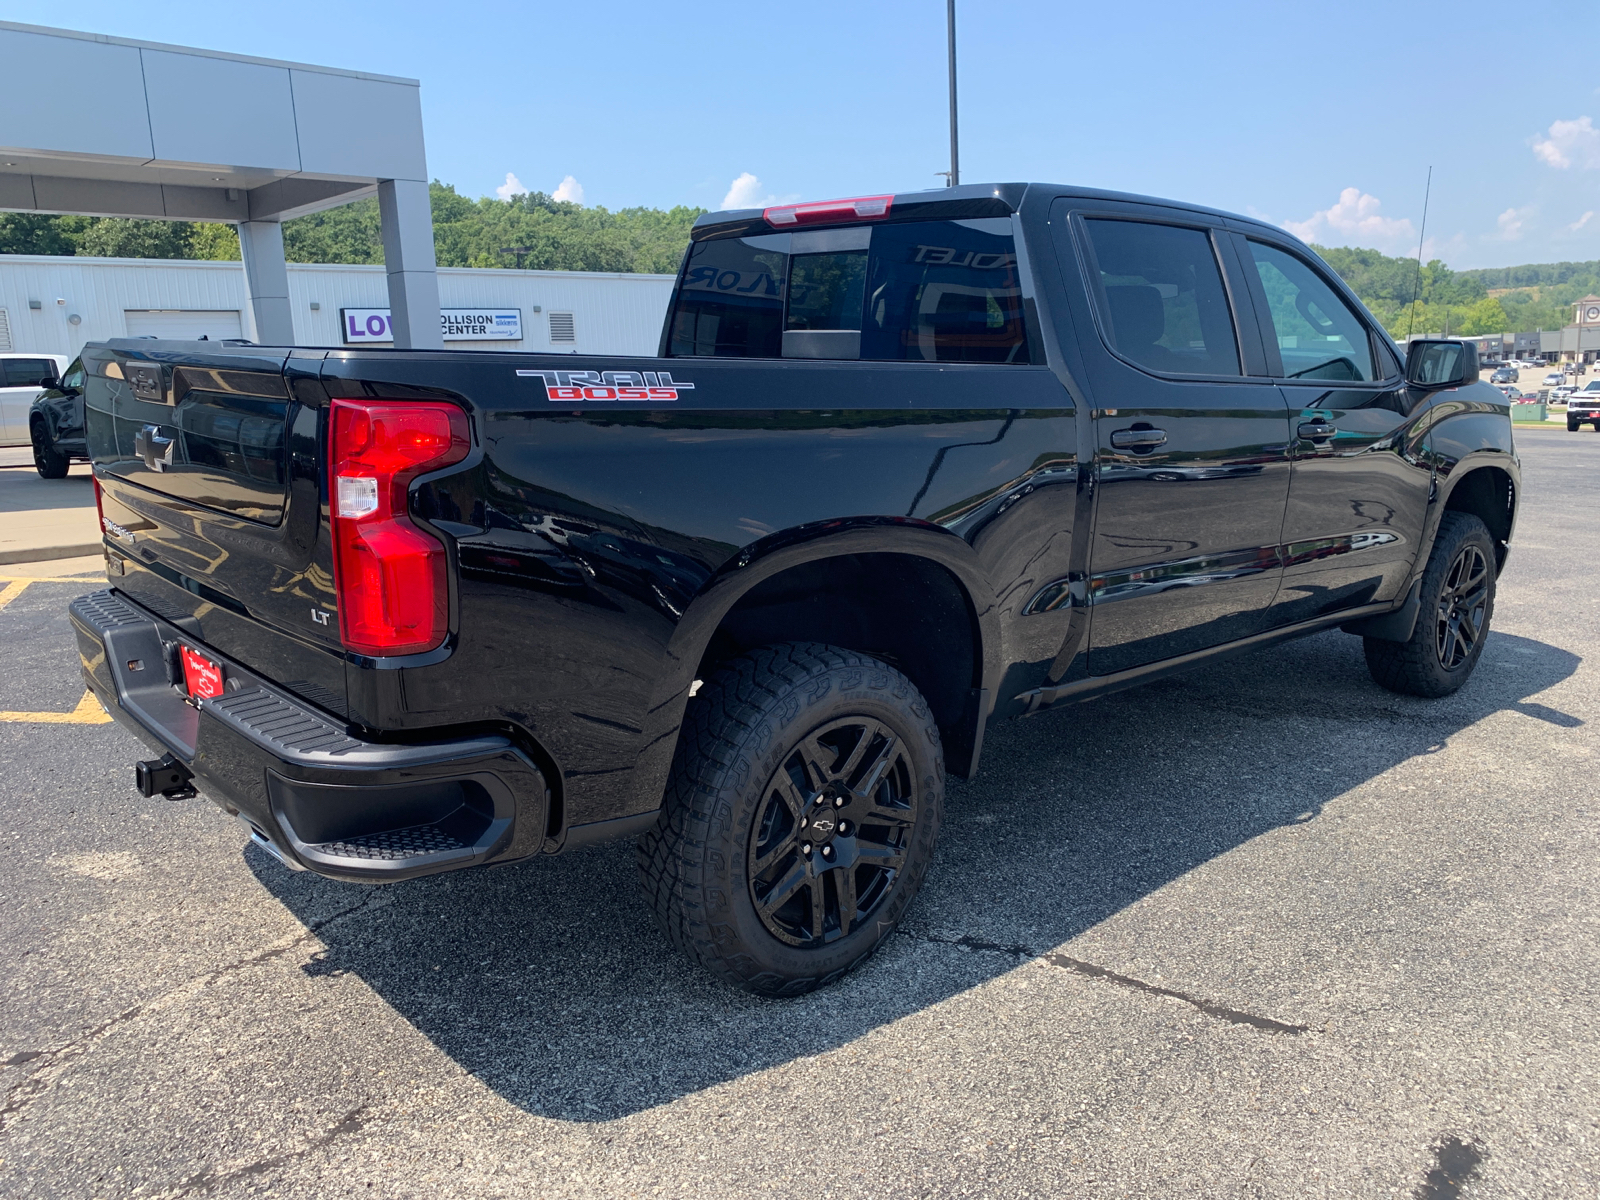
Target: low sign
{"points": [[359, 326]]}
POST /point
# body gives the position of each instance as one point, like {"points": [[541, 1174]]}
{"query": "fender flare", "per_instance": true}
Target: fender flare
{"points": [[778, 552]]}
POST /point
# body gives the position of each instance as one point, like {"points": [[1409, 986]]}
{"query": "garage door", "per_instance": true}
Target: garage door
{"points": [[185, 324]]}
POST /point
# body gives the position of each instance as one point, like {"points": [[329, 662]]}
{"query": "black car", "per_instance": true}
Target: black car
{"points": [[1506, 375], [55, 424], [905, 465]]}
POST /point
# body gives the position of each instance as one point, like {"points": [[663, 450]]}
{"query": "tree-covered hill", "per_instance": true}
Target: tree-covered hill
{"points": [[1487, 300], [550, 235], [547, 234]]}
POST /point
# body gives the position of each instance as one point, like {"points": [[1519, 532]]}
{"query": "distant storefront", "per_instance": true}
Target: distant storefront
{"points": [[54, 305]]}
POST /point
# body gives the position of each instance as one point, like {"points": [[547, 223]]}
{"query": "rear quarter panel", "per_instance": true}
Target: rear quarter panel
{"points": [[598, 542]]}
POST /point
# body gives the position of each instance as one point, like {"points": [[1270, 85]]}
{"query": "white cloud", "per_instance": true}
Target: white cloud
{"points": [[745, 193], [748, 192], [1581, 222], [511, 187], [1511, 222], [1355, 218], [570, 191], [1571, 143]]}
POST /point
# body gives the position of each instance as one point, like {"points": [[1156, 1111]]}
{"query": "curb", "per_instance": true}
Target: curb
{"points": [[49, 553]]}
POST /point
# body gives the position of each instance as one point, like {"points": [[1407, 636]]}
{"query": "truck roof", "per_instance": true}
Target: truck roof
{"points": [[967, 201]]}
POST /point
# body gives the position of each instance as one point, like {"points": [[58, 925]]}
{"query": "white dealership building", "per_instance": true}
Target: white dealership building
{"points": [[53, 305]]}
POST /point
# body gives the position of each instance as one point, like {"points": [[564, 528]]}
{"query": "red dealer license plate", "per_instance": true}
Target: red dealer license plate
{"points": [[201, 676]]}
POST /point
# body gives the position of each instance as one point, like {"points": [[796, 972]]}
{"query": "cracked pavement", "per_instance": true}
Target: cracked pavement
{"points": [[1263, 930]]}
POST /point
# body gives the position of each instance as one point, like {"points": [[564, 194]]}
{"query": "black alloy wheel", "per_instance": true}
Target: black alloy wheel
{"points": [[1457, 598], [1463, 603], [799, 818], [47, 460], [832, 834]]}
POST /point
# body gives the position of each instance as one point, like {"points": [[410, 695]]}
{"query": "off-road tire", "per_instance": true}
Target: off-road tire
{"points": [[1417, 667], [748, 721], [47, 460]]}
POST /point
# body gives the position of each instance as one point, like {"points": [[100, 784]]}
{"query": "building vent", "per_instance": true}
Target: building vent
{"points": [[5, 330], [562, 328]]}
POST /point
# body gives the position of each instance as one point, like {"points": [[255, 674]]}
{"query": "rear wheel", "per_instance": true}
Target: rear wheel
{"points": [[1457, 604], [799, 819], [47, 460]]}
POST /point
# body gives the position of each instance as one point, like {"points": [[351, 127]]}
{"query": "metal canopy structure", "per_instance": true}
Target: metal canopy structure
{"points": [[104, 126]]}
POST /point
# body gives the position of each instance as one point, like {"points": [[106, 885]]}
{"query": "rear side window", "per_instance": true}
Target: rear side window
{"points": [[26, 372], [1319, 336], [1162, 298], [929, 291], [730, 303]]}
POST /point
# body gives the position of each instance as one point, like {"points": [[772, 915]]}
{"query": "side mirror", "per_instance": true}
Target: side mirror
{"points": [[1438, 363], [48, 382]]}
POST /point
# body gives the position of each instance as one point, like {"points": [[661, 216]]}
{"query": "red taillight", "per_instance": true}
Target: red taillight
{"points": [[829, 212], [390, 575]]}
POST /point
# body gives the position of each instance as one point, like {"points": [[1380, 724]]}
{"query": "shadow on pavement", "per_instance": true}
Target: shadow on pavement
{"points": [[549, 982]]}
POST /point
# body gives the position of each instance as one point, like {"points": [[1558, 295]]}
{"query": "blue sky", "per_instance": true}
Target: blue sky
{"points": [[1321, 117]]}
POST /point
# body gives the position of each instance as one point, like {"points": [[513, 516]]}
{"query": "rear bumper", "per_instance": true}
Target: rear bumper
{"points": [[313, 793]]}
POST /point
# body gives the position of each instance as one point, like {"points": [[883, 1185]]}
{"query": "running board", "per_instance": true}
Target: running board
{"points": [[1048, 696]]}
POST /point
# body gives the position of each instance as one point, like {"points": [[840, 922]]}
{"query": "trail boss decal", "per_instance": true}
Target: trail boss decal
{"points": [[608, 385]]}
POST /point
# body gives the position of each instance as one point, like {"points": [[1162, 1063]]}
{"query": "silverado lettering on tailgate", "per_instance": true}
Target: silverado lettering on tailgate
{"points": [[608, 385]]}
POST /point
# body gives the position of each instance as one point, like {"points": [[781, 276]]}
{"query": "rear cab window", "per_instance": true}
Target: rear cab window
{"points": [[1161, 297], [915, 291]]}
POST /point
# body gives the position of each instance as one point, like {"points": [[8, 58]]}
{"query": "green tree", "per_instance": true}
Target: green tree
{"points": [[1486, 316], [38, 233], [209, 239], [119, 237]]}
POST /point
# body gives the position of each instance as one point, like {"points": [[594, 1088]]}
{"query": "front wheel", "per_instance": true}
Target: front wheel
{"points": [[47, 460], [1572, 426], [799, 819], [1457, 604]]}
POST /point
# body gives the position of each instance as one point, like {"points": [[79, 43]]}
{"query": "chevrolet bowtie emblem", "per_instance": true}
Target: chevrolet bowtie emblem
{"points": [[155, 449]]}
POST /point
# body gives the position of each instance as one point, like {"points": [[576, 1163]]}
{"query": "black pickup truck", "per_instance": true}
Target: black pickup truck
{"points": [[904, 465]]}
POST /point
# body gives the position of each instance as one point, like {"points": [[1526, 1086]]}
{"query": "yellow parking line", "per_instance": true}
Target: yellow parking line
{"points": [[88, 712], [12, 590]]}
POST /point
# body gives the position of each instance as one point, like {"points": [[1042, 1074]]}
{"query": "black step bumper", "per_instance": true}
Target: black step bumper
{"points": [[314, 794]]}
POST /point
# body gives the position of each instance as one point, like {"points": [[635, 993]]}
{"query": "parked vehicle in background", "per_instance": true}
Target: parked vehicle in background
{"points": [[1505, 375], [749, 601], [1509, 391], [1559, 394], [54, 424], [1584, 406], [21, 377], [1555, 379]]}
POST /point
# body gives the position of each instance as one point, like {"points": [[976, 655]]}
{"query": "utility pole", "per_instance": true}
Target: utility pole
{"points": [[954, 177], [519, 251]]}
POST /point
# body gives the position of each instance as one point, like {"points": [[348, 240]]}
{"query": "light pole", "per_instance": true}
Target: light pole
{"points": [[954, 176]]}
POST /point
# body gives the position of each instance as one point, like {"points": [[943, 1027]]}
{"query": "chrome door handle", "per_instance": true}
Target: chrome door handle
{"points": [[1316, 431], [1139, 439]]}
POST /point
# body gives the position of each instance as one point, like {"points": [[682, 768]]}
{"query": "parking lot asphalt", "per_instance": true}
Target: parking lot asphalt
{"points": [[1263, 930]]}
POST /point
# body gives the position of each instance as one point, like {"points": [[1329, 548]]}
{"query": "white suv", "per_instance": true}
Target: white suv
{"points": [[20, 379]]}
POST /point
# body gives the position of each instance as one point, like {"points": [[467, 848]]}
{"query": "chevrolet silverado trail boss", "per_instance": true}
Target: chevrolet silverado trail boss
{"points": [[905, 464]]}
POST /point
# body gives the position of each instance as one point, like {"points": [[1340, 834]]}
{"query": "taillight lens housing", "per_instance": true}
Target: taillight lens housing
{"points": [[828, 212], [394, 596]]}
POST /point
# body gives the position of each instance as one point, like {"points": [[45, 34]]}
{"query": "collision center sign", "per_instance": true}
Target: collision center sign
{"points": [[359, 326]]}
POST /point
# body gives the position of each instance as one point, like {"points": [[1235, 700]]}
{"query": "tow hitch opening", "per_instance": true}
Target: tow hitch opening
{"points": [[165, 777]]}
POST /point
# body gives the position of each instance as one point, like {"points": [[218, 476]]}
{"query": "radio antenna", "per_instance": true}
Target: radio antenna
{"points": [[1416, 286]]}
